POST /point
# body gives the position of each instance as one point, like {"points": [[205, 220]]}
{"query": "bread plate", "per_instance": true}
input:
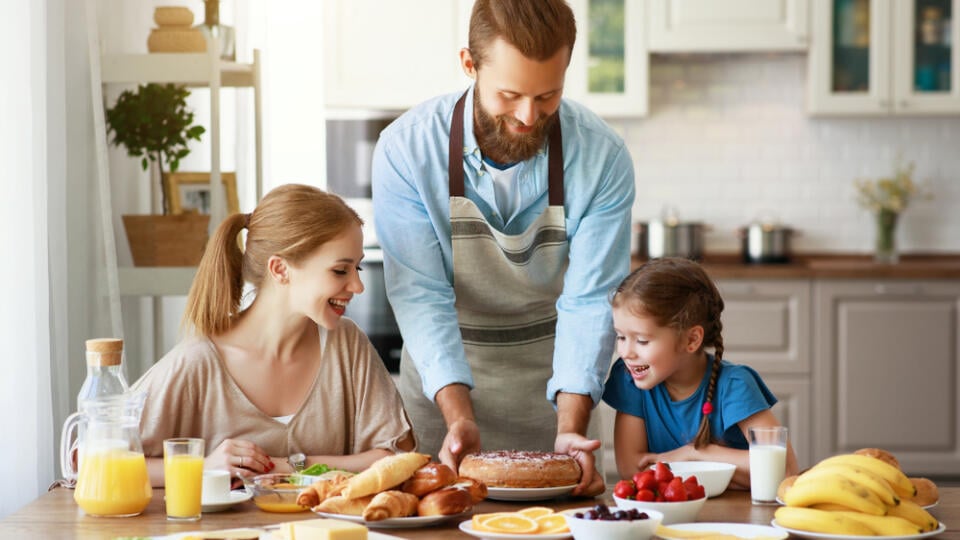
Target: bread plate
{"points": [[685, 531], [820, 536], [467, 527], [395, 523], [234, 497], [528, 494]]}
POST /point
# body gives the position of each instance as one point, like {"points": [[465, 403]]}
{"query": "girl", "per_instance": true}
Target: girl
{"points": [[288, 374], [674, 401]]}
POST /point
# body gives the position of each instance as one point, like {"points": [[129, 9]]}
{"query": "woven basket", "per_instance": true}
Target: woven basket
{"points": [[157, 240]]}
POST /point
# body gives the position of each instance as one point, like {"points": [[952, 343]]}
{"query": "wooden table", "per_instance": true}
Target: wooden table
{"points": [[55, 515]]}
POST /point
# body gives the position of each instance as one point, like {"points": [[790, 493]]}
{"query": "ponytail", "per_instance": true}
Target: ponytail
{"points": [[703, 437], [214, 299]]}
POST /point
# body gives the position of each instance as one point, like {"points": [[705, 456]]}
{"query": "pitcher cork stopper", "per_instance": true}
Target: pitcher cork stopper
{"points": [[104, 351]]}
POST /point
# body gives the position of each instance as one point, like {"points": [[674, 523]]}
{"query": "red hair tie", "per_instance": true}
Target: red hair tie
{"points": [[707, 408]]}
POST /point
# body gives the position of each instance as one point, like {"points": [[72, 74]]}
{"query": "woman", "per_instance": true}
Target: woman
{"points": [[288, 374]]}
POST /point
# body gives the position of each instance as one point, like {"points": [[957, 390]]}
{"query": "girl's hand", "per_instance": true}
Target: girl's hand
{"points": [[240, 457], [684, 453]]}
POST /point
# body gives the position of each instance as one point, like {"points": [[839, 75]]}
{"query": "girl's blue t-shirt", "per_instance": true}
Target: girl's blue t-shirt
{"points": [[740, 393]]}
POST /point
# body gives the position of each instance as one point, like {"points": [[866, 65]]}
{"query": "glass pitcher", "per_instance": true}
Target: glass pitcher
{"points": [[111, 472]]}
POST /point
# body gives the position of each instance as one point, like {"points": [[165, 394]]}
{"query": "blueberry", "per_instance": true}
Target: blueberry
{"points": [[591, 514], [578, 515]]}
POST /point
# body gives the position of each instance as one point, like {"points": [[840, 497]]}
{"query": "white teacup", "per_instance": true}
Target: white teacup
{"points": [[216, 486]]}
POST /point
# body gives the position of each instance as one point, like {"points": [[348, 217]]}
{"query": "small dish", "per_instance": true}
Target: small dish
{"points": [[276, 492], [673, 512], [395, 523], [528, 494], [467, 527], [634, 529], [235, 497], [743, 530], [714, 476]]}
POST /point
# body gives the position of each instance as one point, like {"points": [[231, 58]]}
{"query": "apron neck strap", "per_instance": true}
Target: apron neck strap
{"points": [[455, 163]]}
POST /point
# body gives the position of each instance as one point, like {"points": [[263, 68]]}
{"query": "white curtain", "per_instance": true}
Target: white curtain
{"points": [[25, 318]]}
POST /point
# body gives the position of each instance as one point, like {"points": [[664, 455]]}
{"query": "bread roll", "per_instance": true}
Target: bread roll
{"points": [[321, 490], [927, 492], [430, 477], [445, 502], [785, 485], [880, 454], [338, 504], [390, 504], [385, 473], [477, 489]]}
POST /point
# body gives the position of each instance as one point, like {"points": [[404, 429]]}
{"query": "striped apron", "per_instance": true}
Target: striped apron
{"points": [[506, 290]]}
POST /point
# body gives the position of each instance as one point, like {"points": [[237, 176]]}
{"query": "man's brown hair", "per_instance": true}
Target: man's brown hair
{"points": [[537, 28]]}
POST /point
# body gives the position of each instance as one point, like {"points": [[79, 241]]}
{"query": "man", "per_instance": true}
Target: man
{"points": [[504, 217]]}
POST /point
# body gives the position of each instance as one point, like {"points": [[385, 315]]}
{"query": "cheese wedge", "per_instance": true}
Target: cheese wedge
{"points": [[323, 529]]}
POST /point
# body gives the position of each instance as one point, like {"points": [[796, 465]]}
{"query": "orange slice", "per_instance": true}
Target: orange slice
{"points": [[552, 524], [511, 524], [478, 520], [535, 512]]}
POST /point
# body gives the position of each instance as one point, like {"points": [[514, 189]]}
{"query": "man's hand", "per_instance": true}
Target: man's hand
{"points": [[581, 449], [463, 437], [463, 433]]}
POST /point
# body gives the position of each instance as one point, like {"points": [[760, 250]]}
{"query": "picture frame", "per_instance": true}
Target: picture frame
{"points": [[190, 192]]}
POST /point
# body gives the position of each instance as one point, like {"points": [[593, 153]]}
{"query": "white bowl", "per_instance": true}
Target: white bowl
{"points": [[593, 529], [714, 476], [673, 512]]}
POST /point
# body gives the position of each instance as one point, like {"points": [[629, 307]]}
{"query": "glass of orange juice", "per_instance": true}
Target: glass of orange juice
{"points": [[183, 478]]}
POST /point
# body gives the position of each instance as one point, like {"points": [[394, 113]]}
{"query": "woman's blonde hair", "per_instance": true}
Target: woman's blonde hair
{"points": [[292, 221], [677, 293]]}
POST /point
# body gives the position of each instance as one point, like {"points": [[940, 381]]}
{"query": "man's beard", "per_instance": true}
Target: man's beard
{"points": [[500, 144]]}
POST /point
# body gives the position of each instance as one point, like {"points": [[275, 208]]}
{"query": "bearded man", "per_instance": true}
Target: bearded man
{"points": [[504, 217]]}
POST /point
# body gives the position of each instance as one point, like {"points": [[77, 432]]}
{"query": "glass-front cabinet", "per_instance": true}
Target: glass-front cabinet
{"points": [[609, 68], [882, 57]]}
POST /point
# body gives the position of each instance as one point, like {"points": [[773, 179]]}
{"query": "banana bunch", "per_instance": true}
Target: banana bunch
{"points": [[853, 494]]}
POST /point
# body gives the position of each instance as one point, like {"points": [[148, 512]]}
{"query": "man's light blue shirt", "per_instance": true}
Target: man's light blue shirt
{"points": [[411, 199]]}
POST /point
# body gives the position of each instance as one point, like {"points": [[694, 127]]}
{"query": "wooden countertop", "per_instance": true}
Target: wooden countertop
{"points": [[833, 266], [55, 515]]}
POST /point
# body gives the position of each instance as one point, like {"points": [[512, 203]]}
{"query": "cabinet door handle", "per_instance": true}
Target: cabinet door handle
{"points": [[897, 289]]}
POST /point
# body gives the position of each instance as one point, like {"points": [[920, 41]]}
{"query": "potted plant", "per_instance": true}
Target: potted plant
{"points": [[154, 124]]}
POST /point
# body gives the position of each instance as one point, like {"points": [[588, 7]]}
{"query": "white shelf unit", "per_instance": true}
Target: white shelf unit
{"points": [[196, 70]]}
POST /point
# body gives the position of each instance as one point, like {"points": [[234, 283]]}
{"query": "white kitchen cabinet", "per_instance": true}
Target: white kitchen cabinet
{"points": [[883, 57], [392, 55], [731, 25], [766, 324], [609, 68], [885, 371]]}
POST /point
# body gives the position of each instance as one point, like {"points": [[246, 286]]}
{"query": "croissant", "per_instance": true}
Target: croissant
{"points": [[430, 477], [445, 502], [385, 473], [338, 504], [390, 504], [321, 490]]}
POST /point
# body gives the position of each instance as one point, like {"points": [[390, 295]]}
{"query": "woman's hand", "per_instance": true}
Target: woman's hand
{"points": [[241, 457]]}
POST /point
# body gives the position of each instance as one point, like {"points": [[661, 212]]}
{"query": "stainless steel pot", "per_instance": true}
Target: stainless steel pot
{"points": [[765, 243], [657, 239]]}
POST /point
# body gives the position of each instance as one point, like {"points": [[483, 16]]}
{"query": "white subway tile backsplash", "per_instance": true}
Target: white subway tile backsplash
{"points": [[728, 139]]}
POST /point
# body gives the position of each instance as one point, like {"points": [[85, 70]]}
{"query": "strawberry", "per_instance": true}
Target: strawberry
{"points": [[696, 493], [625, 489], [675, 491], [645, 495], [662, 472], [645, 480]]}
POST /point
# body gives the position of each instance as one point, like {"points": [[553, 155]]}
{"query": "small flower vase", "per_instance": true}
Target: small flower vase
{"points": [[885, 249]]}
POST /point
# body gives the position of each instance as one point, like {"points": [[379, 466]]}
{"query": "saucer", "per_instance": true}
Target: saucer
{"points": [[237, 496]]}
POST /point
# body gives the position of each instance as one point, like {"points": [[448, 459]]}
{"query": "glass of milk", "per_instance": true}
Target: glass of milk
{"points": [[768, 462]]}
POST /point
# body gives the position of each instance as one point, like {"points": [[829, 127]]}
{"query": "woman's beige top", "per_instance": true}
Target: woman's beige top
{"points": [[353, 405]]}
